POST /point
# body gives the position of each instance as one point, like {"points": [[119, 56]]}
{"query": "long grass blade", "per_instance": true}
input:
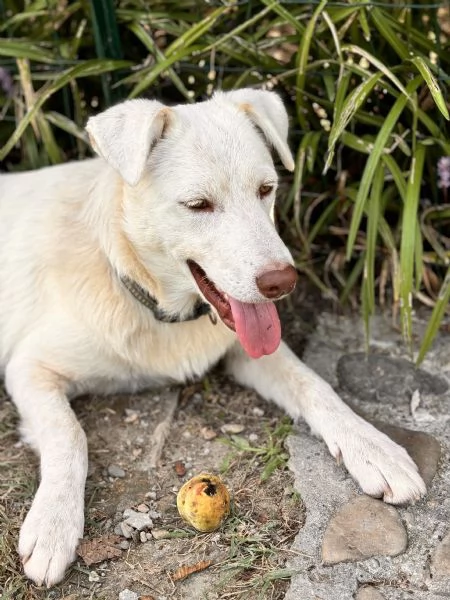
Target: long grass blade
{"points": [[432, 84], [302, 61], [89, 68], [409, 240], [372, 162], [435, 320]]}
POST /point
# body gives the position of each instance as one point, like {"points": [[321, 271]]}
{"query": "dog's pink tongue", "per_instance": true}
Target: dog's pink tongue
{"points": [[257, 326]]}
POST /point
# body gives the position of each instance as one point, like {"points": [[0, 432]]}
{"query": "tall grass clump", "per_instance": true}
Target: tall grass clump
{"points": [[367, 213]]}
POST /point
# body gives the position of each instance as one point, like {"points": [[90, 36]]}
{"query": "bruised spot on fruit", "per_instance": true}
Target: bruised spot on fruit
{"points": [[210, 490]]}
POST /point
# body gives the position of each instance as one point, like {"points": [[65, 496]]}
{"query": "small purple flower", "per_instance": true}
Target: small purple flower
{"points": [[443, 168], [6, 82]]}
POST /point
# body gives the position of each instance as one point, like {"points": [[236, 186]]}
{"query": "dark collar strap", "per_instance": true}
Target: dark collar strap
{"points": [[201, 308]]}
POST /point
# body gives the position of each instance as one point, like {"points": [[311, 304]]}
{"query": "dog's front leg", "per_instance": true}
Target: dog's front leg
{"points": [[379, 465], [54, 524]]}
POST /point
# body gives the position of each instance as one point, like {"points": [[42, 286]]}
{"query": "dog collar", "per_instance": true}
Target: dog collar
{"points": [[201, 308]]}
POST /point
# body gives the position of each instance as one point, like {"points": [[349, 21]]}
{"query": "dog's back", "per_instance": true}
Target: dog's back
{"points": [[34, 210]]}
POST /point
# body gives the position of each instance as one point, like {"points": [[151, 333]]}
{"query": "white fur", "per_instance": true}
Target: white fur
{"points": [[68, 325]]}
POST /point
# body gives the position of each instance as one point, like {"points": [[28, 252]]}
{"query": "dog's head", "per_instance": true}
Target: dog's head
{"points": [[200, 193]]}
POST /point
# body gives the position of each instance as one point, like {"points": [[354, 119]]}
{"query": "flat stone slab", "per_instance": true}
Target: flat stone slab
{"points": [[363, 528], [440, 562], [384, 378], [423, 448]]}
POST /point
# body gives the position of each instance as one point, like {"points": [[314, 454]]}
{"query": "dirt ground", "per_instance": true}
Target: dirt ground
{"points": [[216, 427]]}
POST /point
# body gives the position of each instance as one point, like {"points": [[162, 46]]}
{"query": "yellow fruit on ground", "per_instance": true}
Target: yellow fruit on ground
{"points": [[204, 502]]}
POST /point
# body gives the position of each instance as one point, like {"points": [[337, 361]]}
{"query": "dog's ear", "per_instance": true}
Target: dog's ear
{"points": [[124, 135], [267, 112]]}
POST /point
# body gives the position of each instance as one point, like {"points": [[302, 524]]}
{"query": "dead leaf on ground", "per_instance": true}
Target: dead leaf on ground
{"points": [[99, 549], [187, 570], [180, 469]]}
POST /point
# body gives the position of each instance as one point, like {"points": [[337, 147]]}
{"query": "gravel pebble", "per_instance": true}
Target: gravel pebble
{"points": [[115, 471], [160, 534], [94, 576], [142, 508], [128, 595], [232, 428], [125, 530], [137, 520], [258, 412], [207, 433], [151, 495], [124, 545], [143, 537]]}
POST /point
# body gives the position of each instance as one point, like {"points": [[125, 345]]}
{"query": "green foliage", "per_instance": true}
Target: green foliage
{"points": [[271, 454], [366, 85]]}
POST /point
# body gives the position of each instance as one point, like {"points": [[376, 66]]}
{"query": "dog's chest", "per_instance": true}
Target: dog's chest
{"points": [[162, 353]]}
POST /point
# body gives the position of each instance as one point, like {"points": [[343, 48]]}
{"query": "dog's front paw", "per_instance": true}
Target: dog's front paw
{"points": [[50, 534], [380, 466]]}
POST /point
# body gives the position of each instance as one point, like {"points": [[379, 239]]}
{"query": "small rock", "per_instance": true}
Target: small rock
{"points": [[137, 520], [128, 595], [143, 537], [232, 428], [149, 536], [252, 438], [151, 495], [440, 561], [363, 528], [132, 416], [258, 412], [154, 514], [207, 433], [115, 471], [368, 593], [160, 534], [118, 529], [94, 576], [124, 545], [142, 508], [125, 530]]}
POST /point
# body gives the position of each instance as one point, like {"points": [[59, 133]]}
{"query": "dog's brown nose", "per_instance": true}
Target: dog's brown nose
{"points": [[277, 282]]}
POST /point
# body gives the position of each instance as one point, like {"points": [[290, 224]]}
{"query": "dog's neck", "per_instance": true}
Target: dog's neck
{"points": [[200, 308]]}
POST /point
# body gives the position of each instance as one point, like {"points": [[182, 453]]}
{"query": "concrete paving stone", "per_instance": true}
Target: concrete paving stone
{"points": [[385, 378], [419, 573], [440, 561], [363, 528]]}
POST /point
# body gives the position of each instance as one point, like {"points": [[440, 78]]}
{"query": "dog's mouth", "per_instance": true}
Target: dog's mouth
{"points": [[256, 325]]}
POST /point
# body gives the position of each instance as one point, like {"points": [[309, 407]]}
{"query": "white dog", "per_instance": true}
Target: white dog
{"points": [[146, 266]]}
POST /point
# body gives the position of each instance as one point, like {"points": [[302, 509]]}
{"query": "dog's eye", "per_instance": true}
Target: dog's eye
{"points": [[265, 189], [200, 205]]}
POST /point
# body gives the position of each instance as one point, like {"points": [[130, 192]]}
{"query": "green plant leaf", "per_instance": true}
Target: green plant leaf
{"points": [[302, 60], [372, 161], [432, 84], [350, 107], [409, 240], [435, 320], [88, 68]]}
